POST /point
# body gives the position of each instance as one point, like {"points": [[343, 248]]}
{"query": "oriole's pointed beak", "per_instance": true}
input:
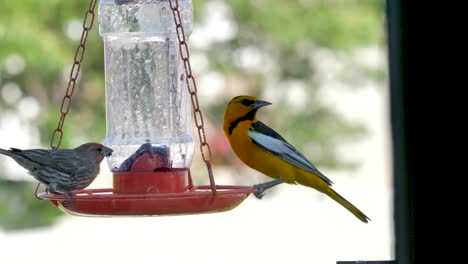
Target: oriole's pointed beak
{"points": [[259, 103]]}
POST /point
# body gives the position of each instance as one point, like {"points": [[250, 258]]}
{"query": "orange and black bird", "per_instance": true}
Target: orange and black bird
{"points": [[266, 151]]}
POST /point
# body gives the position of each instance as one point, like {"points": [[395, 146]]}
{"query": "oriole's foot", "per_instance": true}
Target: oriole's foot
{"points": [[259, 194], [262, 187]]}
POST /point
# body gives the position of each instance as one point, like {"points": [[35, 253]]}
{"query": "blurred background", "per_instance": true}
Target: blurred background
{"points": [[322, 64]]}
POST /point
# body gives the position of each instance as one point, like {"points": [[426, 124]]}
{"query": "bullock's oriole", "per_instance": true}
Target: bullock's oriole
{"points": [[264, 150]]}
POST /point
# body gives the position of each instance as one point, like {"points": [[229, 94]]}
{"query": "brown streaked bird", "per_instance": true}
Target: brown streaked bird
{"points": [[62, 170]]}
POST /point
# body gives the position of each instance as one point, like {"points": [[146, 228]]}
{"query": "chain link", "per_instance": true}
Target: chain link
{"points": [[57, 135], [192, 89], [88, 22]]}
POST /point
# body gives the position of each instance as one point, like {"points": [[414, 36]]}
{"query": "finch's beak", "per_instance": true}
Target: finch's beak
{"points": [[260, 103], [107, 151]]}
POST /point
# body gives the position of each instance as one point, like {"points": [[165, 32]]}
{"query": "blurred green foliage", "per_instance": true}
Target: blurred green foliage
{"points": [[288, 31], [20, 209], [337, 24]]}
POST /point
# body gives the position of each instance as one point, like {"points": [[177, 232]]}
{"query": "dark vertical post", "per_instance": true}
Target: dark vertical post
{"points": [[401, 118]]}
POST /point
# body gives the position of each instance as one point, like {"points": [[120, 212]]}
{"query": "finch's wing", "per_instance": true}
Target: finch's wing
{"points": [[269, 140], [64, 160]]}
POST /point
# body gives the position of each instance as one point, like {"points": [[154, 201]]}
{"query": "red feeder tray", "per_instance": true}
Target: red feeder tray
{"points": [[199, 199], [144, 191]]}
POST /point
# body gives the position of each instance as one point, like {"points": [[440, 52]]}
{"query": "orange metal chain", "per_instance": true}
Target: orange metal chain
{"points": [[57, 135], [88, 21], [192, 89]]}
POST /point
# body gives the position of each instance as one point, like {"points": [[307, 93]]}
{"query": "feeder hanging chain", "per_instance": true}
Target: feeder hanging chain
{"points": [[57, 135], [88, 21], [192, 89]]}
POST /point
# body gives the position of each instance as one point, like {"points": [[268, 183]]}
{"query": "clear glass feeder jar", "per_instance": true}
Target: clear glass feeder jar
{"points": [[147, 103]]}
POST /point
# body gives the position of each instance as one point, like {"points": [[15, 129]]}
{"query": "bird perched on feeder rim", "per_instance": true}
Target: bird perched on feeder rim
{"points": [[264, 150], [62, 170]]}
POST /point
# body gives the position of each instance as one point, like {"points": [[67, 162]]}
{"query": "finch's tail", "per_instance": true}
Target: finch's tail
{"points": [[353, 209], [12, 153], [22, 160], [4, 152]]}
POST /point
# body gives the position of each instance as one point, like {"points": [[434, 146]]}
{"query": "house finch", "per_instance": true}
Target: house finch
{"points": [[62, 170]]}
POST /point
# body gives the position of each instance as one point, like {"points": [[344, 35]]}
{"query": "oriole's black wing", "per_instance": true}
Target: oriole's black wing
{"points": [[268, 139]]}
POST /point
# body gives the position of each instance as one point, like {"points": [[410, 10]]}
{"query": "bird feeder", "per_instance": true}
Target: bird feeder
{"points": [[150, 91]]}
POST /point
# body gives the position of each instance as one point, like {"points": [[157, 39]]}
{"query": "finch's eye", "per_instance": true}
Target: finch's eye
{"points": [[99, 149]]}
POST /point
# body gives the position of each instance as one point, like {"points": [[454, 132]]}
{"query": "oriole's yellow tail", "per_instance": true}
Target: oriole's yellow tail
{"points": [[353, 209]]}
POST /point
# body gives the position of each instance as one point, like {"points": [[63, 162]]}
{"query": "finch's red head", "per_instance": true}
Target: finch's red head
{"points": [[97, 150]]}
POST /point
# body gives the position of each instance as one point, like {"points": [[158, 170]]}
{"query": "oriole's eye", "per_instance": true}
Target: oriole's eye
{"points": [[247, 102], [99, 149]]}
